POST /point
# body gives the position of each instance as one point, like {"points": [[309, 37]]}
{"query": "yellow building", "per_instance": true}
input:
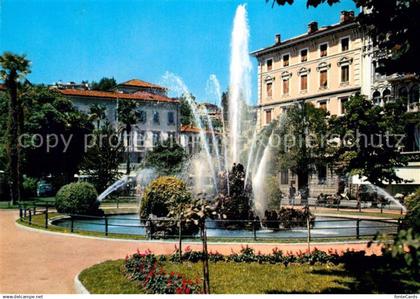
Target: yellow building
{"points": [[322, 66]]}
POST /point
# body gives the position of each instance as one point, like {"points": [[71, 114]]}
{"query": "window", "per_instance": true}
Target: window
{"points": [[322, 174], [323, 105], [323, 79], [304, 55], [269, 89], [269, 64], [304, 82], [345, 74], [386, 95], [142, 116], [156, 138], [343, 105], [268, 116], [284, 177], [323, 50], [171, 137], [345, 44], [414, 94], [171, 118], [285, 86], [403, 93], [286, 60], [377, 98], [156, 117], [141, 136]]}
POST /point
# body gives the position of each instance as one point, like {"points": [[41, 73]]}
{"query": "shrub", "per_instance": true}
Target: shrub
{"points": [[273, 193], [77, 198], [162, 195], [29, 186], [412, 219]]}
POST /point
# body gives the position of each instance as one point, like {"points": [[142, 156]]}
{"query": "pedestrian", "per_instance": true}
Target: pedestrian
{"points": [[292, 194]]}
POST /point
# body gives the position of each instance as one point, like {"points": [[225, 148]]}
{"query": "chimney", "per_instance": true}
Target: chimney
{"points": [[312, 27], [278, 39], [346, 16]]}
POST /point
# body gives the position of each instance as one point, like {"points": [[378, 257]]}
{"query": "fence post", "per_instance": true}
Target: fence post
{"points": [[308, 225], [180, 237], [72, 224], [398, 225], [30, 217], [24, 210], [358, 229], [34, 209], [254, 228], [118, 202], [46, 216], [20, 212], [106, 225]]}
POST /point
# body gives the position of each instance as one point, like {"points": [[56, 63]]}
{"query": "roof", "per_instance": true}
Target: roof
{"points": [[140, 83], [191, 129], [142, 96], [320, 32]]}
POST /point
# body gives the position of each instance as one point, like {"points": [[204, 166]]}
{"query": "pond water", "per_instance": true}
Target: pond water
{"points": [[324, 227]]}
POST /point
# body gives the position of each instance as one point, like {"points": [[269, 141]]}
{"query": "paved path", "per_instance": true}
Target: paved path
{"points": [[45, 263]]}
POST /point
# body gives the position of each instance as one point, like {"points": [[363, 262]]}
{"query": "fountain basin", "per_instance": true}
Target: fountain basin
{"points": [[324, 227]]}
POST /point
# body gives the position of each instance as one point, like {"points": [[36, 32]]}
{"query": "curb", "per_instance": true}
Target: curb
{"points": [[79, 287]]}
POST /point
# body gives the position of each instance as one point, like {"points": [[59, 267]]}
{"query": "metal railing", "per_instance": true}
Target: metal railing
{"points": [[162, 228]]}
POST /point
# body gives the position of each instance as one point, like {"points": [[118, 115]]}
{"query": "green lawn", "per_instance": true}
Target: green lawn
{"points": [[107, 278], [254, 278], [227, 278]]}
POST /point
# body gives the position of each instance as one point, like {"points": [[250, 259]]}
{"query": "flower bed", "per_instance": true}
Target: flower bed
{"points": [[145, 268], [248, 255]]}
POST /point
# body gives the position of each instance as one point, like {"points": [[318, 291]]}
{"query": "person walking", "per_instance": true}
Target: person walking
{"points": [[292, 194]]}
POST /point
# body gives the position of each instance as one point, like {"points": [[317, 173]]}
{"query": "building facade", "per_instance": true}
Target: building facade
{"points": [[159, 114], [325, 66]]}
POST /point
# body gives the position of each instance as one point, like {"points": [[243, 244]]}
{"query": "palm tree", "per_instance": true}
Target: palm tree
{"points": [[128, 115], [97, 112], [14, 68]]}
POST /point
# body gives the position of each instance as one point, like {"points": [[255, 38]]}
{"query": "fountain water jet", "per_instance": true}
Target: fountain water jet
{"points": [[179, 86], [240, 80]]}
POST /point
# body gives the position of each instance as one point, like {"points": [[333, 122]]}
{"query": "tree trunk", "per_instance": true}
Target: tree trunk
{"points": [[206, 274], [13, 146]]}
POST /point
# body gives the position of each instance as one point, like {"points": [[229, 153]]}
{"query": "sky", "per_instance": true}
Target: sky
{"points": [[75, 40]]}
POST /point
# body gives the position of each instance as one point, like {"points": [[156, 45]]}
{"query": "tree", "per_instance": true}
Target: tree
{"points": [[103, 157], [393, 27], [55, 131], [302, 145], [163, 195], [370, 140], [14, 68], [105, 84], [97, 113], [225, 107], [186, 114], [128, 115], [167, 158]]}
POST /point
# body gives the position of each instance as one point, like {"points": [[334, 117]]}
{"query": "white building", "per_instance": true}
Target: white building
{"points": [[159, 114]]}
